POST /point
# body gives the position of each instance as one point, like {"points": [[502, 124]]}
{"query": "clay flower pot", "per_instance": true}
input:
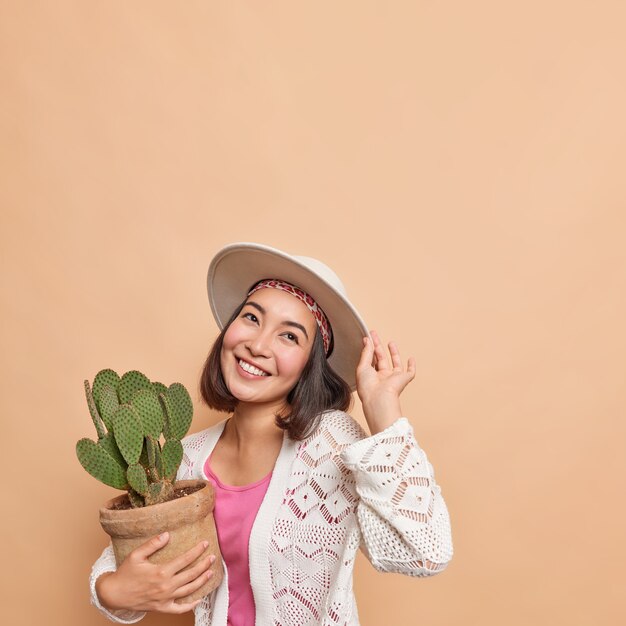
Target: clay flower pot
{"points": [[188, 519]]}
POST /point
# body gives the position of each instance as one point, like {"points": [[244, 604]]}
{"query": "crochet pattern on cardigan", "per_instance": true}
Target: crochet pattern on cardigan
{"points": [[335, 492]]}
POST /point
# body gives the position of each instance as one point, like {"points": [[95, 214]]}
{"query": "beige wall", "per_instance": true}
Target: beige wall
{"points": [[461, 166]]}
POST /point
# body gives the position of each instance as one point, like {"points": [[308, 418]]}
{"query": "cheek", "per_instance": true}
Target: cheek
{"points": [[232, 338], [293, 364], [234, 335]]}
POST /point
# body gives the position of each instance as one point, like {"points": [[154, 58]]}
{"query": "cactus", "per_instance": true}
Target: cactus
{"points": [[131, 414]]}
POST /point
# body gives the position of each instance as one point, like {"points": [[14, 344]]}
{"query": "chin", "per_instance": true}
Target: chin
{"points": [[245, 395]]}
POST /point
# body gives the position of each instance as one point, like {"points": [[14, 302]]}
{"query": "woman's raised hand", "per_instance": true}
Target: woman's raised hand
{"points": [[379, 382], [139, 585]]}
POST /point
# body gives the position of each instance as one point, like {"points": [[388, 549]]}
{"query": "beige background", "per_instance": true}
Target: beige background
{"points": [[460, 165]]}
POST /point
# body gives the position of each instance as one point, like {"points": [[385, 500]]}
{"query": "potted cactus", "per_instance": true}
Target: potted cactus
{"points": [[140, 425]]}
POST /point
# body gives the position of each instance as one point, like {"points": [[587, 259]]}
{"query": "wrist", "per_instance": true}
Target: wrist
{"points": [[380, 415], [105, 590]]}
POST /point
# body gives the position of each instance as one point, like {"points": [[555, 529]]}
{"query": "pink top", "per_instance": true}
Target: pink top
{"points": [[235, 510]]}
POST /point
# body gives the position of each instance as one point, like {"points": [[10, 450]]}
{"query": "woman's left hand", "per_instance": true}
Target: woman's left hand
{"points": [[379, 383]]}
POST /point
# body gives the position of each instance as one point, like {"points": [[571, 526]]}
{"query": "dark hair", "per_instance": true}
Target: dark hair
{"points": [[319, 388]]}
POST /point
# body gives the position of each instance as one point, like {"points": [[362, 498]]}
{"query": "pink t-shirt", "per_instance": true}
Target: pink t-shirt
{"points": [[235, 510]]}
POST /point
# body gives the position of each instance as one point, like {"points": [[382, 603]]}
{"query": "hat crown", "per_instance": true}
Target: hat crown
{"points": [[323, 271]]}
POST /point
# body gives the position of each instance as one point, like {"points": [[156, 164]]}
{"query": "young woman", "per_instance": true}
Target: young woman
{"points": [[300, 487]]}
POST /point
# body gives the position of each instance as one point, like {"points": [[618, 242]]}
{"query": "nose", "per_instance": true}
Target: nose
{"points": [[259, 345]]}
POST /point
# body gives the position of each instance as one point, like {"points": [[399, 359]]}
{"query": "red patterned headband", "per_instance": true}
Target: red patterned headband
{"points": [[318, 314]]}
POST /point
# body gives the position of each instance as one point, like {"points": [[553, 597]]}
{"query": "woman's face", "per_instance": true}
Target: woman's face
{"points": [[267, 346]]}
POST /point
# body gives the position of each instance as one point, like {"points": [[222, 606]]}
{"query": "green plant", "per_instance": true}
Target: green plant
{"points": [[130, 415]]}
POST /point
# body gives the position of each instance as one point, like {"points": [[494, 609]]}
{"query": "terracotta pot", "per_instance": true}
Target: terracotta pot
{"points": [[188, 519]]}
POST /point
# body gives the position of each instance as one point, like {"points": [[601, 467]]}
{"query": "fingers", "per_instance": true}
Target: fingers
{"points": [[199, 570], [411, 367], [366, 354], [379, 352], [396, 361], [178, 608], [373, 355], [151, 546], [381, 356], [180, 562], [193, 585]]}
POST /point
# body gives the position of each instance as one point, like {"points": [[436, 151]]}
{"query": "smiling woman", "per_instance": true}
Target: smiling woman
{"points": [[300, 486]]}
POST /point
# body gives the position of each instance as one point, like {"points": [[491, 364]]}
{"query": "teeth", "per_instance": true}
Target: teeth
{"points": [[253, 370]]}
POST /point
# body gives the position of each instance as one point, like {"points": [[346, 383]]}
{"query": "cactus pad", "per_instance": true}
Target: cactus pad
{"points": [[104, 377], [160, 492], [136, 499], [128, 433], [149, 410], [130, 383], [108, 404], [179, 409], [151, 445], [172, 455], [137, 478], [97, 461], [93, 411], [155, 493], [108, 443], [159, 387]]}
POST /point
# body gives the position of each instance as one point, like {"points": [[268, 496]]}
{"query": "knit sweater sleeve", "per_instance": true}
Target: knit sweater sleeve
{"points": [[404, 521]]}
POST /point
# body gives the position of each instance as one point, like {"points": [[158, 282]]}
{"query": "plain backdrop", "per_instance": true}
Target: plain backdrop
{"points": [[461, 167]]}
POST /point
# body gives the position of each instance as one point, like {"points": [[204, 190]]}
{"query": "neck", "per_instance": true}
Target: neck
{"points": [[254, 424]]}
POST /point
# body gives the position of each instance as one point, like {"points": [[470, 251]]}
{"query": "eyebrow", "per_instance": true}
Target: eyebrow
{"points": [[256, 305]]}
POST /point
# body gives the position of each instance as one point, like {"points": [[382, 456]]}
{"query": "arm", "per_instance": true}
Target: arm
{"points": [[404, 521], [105, 564], [403, 518]]}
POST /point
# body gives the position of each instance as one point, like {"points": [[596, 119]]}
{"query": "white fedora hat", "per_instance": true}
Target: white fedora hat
{"points": [[238, 266]]}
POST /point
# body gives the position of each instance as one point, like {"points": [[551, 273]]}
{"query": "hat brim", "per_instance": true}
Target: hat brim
{"points": [[236, 267]]}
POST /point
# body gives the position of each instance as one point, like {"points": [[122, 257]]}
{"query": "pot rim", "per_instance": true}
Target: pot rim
{"points": [[178, 484], [171, 514]]}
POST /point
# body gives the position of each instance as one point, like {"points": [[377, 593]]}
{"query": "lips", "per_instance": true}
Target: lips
{"points": [[252, 365]]}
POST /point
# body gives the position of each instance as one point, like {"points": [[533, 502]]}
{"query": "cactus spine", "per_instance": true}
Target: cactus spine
{"points": [[130, 415]]}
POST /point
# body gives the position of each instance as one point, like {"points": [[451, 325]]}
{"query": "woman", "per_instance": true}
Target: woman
{"points": [[300, 486]]}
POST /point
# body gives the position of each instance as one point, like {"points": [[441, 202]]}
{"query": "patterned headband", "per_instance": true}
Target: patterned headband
{"points": [[318, 314]]}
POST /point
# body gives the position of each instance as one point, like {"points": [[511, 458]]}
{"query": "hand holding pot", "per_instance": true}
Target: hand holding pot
{"points": [[140, 585]]}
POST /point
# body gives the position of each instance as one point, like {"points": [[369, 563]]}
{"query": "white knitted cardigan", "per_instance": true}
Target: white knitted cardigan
{"points": [[330, 494]]}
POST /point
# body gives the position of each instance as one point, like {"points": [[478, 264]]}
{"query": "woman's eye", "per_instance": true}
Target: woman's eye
{"points": [[252, 315], [292, 337]]}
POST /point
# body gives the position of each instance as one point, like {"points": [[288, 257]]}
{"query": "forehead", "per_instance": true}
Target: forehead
{"points": [[283, 306]]}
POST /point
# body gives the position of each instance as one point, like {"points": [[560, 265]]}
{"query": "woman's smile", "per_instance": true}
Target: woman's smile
{"points": [[250, 371]]}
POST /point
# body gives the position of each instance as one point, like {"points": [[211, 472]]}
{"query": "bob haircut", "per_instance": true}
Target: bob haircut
{"points": [[319, 388]]}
